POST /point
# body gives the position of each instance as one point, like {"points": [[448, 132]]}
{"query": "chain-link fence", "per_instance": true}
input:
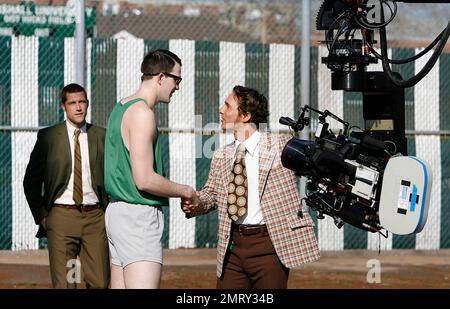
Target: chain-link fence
{"points": [[221, 44], [248, 21]]}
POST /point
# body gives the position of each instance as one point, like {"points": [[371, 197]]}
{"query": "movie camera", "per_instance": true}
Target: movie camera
{"points": [[363, 176]]}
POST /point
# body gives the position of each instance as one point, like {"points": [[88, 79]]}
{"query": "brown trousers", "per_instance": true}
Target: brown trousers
{"points": [[251, 262], [70, 234]]}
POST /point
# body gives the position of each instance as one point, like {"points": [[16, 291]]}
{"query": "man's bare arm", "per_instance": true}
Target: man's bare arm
{"points": [[140, 129]]}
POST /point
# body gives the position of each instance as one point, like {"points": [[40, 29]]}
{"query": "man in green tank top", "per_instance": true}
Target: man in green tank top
{"points": [[134, 177]]}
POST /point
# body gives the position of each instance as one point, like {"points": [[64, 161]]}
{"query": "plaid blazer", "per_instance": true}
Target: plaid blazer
{"points": [[291, 233]]}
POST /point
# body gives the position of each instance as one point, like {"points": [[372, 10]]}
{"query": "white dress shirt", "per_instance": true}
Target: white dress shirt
{"points": [[254, 213], [89, 196]]}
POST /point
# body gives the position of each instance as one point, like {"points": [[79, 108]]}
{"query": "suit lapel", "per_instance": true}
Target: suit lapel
{"points": [[63, 136], [227, 160], [266, 157], [92, 145], [64, 163]]}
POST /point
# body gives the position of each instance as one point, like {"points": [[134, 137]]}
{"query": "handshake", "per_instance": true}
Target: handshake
{"points": [[190, 201]]}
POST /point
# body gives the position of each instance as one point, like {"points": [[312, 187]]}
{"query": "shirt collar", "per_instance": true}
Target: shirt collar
{"points": [[250, 143], [71, 128]]}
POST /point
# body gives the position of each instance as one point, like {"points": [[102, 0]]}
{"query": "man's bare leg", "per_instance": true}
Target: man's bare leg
{"points": [[142, 275], [117, 277]]}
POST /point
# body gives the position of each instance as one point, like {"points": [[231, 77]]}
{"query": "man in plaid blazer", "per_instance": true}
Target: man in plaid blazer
{"points": [[257, 245]]}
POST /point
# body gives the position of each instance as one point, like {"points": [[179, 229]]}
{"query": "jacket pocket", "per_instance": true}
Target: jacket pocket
{"points": [[296, 222]]}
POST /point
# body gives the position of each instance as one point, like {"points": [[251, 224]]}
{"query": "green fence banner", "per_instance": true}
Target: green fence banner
{"points": [[42, 20]]}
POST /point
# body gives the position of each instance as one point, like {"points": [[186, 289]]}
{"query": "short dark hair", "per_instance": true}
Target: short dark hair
{"points": [[157, 61], [71, 88], [253, 102]]}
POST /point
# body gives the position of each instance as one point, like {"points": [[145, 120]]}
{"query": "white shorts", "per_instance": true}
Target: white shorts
{"points": [[134, 233]]}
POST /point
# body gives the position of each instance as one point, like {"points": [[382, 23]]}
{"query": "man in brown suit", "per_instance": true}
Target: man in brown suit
{"points": [[64, 188], [263, 228]]}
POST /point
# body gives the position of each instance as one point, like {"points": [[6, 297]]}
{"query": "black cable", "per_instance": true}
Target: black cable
{"points": [[425, 70], [329, 33], [338, 34], [407, 60]]}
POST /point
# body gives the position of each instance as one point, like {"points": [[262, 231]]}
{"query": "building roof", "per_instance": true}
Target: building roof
{"points": [[169, 26]]}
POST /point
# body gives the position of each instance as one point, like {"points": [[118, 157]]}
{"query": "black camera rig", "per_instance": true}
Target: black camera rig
{"points": [[382, 92], [344, 170]]}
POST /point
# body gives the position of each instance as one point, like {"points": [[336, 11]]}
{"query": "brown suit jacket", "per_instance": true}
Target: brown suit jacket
{"points": [[291, 233], [48, 171]]}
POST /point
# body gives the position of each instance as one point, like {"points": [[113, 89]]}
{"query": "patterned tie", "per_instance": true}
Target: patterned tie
{"points": [[237, 187], [77, 183]]}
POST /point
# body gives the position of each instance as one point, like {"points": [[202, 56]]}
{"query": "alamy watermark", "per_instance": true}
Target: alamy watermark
{"points": [[74, 272], [374, 273], [206, 138], [374, 12]]}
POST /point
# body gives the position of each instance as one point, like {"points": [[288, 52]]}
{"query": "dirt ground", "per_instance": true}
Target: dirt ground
{"points": [[195, 268]]}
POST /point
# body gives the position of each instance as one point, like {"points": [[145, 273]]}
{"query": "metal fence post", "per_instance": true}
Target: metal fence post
{"points": [[80, 43]]}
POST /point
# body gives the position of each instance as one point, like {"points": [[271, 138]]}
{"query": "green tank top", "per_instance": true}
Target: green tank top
{"points": [[119, 181]]}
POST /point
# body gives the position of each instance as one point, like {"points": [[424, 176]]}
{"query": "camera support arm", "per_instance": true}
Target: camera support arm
{"points": [[347, 55], [303, 121]]}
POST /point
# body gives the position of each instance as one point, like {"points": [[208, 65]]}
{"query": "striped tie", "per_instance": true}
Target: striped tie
{"points": [[77, 183]]}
